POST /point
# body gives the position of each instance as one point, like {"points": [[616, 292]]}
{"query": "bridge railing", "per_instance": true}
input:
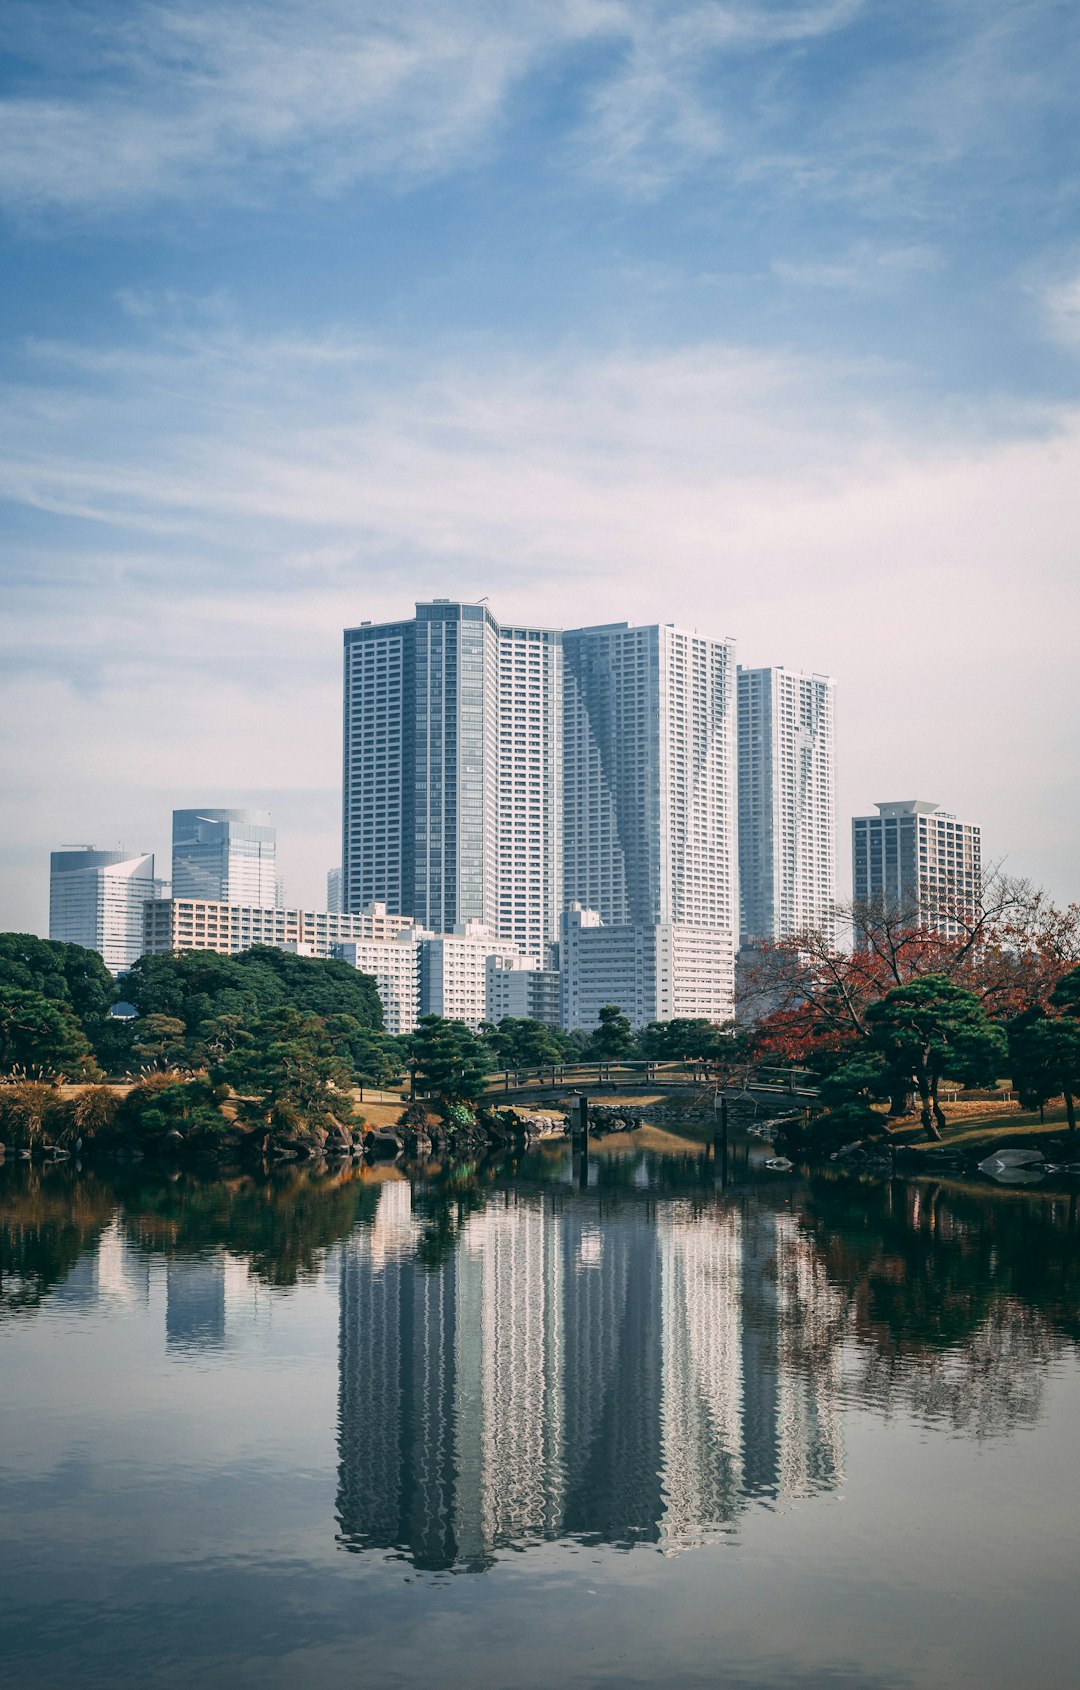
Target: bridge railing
{"points": [[632, 1071]]}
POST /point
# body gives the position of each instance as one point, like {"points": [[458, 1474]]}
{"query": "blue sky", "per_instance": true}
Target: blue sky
{"points": [[762, 317]]}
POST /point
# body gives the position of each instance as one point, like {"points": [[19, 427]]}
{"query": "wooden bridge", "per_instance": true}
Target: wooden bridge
{"points": [[758, 1085]]}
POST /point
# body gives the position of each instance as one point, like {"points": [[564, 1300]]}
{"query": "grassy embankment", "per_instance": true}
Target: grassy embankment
{"points": [[986, 1123]]}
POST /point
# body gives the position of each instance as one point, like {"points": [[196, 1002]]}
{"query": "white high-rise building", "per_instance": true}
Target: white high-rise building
{"points": [[226, 857], [454, 972], [649, 816], [97, 899], [650, 825], [518, 988], [787, 803], [335, 902], [920, 862], [529, 873], [451, 772]]}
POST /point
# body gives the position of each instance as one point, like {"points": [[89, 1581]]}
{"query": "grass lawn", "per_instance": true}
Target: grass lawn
{"points": [[976, 1123]]}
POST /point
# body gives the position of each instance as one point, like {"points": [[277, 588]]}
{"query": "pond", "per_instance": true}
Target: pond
{"points": [[640, 1418]]}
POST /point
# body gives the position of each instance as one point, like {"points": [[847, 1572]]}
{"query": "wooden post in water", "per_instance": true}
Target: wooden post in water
{"points": [[720, 1140], [579, 1140]]}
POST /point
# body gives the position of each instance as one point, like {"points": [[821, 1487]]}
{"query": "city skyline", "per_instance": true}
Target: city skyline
{"points": [[770, 753], [311, 854]]}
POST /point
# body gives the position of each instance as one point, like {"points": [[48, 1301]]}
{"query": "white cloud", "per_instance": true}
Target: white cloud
{"points": [[863, 268], [1062, 308], [165, 100], [239, 501]]}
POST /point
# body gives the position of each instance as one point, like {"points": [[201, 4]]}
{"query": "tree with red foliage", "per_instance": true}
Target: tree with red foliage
{"points": [[812, 994]]}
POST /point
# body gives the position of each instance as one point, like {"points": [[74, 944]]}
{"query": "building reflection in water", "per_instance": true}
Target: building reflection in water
{"points": [[634, 1378]]}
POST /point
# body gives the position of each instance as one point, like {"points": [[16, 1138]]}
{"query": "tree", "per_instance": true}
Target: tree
{"points": [[451, 1061], [522, 1042], [164, 1104], [42, 1035], [319, 985], [289, 1063], [158, 1041], [1044, 1055], [809, 995], [198, 986], [931, 1028], [375, 1058], [851, 1089], [687, 1039], [613, 1035], [69, 974], [1065, 997], [216, 995]]}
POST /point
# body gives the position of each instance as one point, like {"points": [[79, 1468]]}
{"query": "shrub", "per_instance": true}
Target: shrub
{"points": [[87, 1115], [24, 1110]]}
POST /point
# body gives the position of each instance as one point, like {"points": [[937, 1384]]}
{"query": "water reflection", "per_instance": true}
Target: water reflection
{"points": [[629, 1375], [628, 1353]]}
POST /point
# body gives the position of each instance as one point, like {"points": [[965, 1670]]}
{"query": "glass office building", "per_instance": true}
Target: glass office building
{"points": [[225, 857], [97, 899]]}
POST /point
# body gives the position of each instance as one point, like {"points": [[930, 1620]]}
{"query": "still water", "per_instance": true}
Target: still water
{"points": [[624, 1423]]}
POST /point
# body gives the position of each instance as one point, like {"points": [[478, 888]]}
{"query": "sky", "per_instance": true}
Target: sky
{"points": [[760, 317]]}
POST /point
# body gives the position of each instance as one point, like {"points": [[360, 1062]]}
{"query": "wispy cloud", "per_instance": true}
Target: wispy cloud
{"points": [[127, 104], [235, 500], [863, 268], [160, 100], [1061, 301]]}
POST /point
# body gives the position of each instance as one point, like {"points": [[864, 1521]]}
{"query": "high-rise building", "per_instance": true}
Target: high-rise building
{"points": [[454, 972], [451, 772], [516, 987], [97, 899], [787, 803], [335, 902], [225, 856], [919, 862], [394, 965], [650, 825], [649, 820]]}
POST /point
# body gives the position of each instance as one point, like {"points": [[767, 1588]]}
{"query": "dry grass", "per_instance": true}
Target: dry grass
{"points": [[971, 1123]]}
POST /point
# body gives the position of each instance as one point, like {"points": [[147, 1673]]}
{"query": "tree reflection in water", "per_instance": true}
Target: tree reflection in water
{"points": [[616, 1352]]}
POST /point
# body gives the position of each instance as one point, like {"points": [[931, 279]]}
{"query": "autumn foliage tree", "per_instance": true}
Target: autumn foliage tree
{"points": [[810, 996]]}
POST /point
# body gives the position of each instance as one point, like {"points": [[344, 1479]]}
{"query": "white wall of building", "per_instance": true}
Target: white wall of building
{"points": [[787, 803], [454, 972], [394, 965], [97, 899], [656, 972]]}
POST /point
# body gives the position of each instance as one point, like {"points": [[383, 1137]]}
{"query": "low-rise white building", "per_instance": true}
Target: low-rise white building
{"points": [[394, 964], [454, 972], [518, 987], [193, 924], [654, 972]]}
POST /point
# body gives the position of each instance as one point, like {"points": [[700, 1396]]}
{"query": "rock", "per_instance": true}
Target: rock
{"points": [[384, 1144]]}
